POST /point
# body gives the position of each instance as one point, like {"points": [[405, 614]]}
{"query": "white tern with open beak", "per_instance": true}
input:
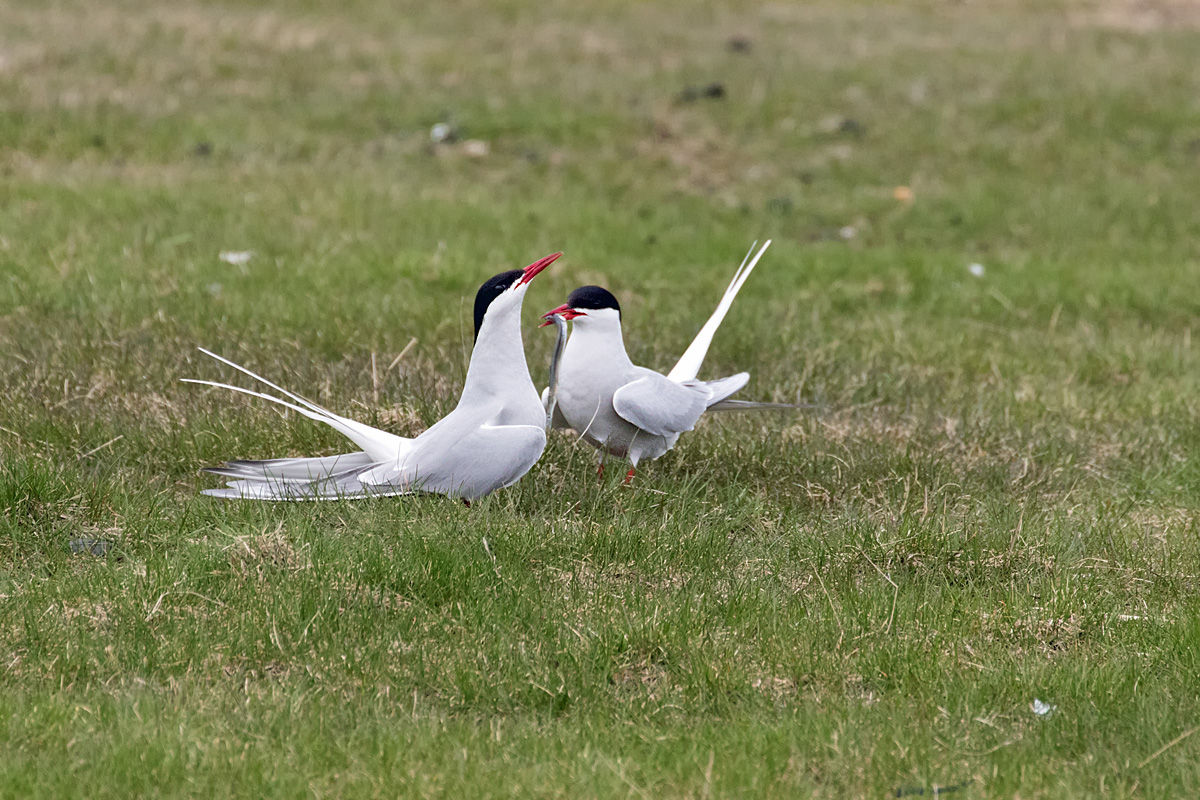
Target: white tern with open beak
{"points": [[628, 411], [493, 437]]}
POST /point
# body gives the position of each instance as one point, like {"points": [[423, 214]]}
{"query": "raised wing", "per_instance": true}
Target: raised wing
{"points": [[689, 363], [659, 405]]}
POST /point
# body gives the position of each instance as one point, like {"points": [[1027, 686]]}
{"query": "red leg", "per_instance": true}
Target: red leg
{"points": [[600, 471], [628, 477], [466, 502]]}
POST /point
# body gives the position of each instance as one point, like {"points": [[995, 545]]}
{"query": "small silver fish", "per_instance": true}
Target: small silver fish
{"points": [[552, 386]]}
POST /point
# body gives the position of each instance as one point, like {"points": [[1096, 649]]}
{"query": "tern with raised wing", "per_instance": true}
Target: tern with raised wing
{"points": [[493, 437], [632, 412]]}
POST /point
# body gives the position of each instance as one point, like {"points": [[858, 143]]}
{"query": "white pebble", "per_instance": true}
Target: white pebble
{"points": [[1040, 708], [976, 270], [476, 148], [236, 257]]}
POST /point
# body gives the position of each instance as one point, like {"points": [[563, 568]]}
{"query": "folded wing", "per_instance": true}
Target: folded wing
{"points": [[661, 406], [342, 486]]}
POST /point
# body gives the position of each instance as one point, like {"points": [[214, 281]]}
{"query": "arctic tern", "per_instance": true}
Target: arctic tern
{"points": [[493, 437], [632, 412]]}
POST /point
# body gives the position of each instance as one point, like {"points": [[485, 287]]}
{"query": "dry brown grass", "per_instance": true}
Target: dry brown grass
{"points": [[264, 555], [1139, 16]]}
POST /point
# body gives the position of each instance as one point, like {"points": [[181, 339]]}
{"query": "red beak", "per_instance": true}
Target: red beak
{"points": [[533, 269], [564, 311]]}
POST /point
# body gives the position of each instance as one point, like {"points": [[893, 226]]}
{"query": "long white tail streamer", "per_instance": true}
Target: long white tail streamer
{"points": [[688, 366]]}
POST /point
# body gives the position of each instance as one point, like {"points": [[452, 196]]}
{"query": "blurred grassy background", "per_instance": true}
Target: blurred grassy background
{"points": [[997, 501]]}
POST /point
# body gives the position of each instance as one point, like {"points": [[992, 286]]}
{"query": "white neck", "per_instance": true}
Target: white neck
{"points": [[597, 338], [498, 366]]}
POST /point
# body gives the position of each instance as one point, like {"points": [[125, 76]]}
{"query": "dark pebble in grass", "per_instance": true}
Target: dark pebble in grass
{"points": [[739, 44], [852, 127], [781, 205], [95, 547], [936, 791], [713, 91], [202, 150], [561, 703]]}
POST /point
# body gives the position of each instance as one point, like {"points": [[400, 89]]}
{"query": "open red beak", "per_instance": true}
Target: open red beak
{"points": [[533, 269], [564, 311]]}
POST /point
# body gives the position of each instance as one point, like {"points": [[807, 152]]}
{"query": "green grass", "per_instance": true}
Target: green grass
{"points": [[998, 501]]}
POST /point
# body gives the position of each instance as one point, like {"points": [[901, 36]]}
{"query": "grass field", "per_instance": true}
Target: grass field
{"points": [[998, 500]]}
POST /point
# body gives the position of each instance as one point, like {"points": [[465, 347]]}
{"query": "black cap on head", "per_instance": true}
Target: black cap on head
{"points": [[491, 289], [593, 297]]}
